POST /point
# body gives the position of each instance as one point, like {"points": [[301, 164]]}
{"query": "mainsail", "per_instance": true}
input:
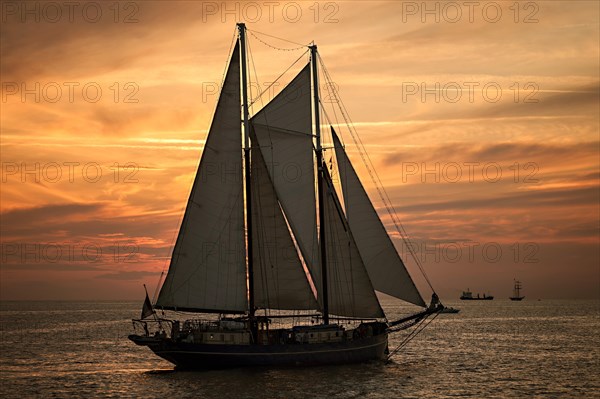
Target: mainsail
{"points": [[283, 132], [279, 278], [385, 267], [208, 265]]}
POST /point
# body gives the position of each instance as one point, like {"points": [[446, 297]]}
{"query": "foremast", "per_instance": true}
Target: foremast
{"points": [[248, 189]]}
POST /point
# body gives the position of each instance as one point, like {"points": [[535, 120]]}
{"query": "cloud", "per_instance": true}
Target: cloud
{"points": [[533, 198], [46, 213], [579, 101], [506, 152], [45, 266], [98, 47], [128, 275]]}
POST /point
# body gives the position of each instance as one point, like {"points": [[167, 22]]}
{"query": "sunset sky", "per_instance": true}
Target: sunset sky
{"points": [[481, 119]]}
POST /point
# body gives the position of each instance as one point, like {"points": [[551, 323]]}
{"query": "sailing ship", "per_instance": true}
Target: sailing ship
{"points": [[258, 248], [468, 296], [517, 292]]}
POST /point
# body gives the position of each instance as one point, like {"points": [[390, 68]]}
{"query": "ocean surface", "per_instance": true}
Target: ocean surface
{"points": [[491, 349]]}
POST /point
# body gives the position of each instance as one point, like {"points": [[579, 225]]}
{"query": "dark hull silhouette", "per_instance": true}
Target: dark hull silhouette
{"points": [[217, 356]]}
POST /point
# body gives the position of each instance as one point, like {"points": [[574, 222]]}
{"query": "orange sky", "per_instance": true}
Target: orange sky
{"points": [[130, 87]]}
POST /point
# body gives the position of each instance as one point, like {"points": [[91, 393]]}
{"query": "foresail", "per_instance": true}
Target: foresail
{"points": [[385, 267], [349, 289], [283, 132], [208, 267], [279, 278]]}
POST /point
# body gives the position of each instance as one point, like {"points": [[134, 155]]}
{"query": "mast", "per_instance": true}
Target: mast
{"points": [[242, 39], [321, 202]]}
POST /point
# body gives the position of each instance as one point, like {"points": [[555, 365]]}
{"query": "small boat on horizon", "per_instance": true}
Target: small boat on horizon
{"points": [[468, 296], [517, 292]]}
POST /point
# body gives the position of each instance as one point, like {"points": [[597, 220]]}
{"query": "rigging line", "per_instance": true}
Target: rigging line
{"points": [[331, 91], [252, 32], [259, 96], [373, 173], [378, 184], [249, 56], [405, 341], [333, 157], [420, 327], [156, 289]]}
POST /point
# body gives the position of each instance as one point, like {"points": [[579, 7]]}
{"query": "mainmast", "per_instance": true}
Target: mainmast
{"points": [[320, 171], [242, 39]]}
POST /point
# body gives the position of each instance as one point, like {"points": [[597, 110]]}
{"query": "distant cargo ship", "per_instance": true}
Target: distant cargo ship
{"points": [[468, 296]]}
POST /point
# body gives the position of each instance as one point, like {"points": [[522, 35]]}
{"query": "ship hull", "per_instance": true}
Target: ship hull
{"points": [[212, 356]]}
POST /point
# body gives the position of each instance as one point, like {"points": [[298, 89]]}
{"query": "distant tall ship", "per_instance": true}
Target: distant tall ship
{"points": [[281, 275], [517, 292], [468, 296]]}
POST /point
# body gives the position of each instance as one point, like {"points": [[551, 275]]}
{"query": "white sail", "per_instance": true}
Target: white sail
{"points": [[208, 266], [385, 267], [279, 278], [283, 132], [350, 291]]}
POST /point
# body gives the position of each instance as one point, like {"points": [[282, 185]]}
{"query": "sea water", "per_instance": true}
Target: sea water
{"points": [[491, 349]]}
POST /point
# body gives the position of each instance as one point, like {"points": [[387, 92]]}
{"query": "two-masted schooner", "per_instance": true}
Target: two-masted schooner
{"points": [[516, 296], [257, 246]]}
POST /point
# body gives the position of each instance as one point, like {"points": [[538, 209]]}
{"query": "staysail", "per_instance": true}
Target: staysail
{"points": [[385, 267], [208, 265], [349, 288], [279, 278], [283, 132]]}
